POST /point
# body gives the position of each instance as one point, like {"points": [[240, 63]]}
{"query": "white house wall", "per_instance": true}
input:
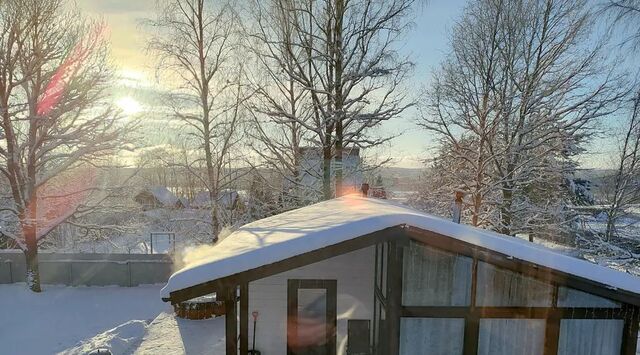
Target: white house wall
{"points": [[354, 273]]}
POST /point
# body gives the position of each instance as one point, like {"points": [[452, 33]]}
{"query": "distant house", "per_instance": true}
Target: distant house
{"points": [[359, 275], [158, 197], [311, 162]]}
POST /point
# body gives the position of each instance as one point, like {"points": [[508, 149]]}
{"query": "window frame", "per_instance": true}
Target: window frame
{"points": [[551, 314]]}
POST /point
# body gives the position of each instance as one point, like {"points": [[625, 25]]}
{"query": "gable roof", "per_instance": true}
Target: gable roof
{"points": [[327, 223], [164, 196]]}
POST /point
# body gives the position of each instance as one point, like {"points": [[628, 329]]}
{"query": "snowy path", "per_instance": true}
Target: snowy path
{"points": [[61, 317], [170, 335]]}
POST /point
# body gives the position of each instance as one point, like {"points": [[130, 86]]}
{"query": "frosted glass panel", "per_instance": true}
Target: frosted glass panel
{"points": [[433, 336], [501, 287], [511, 337], [435, 278], [590, 336], [312, 319], [568, 297]]}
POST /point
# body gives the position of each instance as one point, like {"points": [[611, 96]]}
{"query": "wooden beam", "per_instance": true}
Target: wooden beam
{"points": [[514, 312], [471, 335], [391, 233], [230, 322], [394, 297], [630, 331], [244, 318], [552, 326]]}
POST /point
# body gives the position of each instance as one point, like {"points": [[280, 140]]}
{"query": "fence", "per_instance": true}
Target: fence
{"points": [[89, 269]]}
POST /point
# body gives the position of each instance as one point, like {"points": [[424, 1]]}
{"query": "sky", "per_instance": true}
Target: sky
{"points": [[426, 43]]}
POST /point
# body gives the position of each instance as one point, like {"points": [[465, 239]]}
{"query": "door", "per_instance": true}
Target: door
{"points": [[358, 332], [311, 317]]}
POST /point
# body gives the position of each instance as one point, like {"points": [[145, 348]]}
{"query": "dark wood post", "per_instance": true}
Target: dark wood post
{"points": [[231, 321], [552, 328], [244, 319], [630, 330], [394, 305]]}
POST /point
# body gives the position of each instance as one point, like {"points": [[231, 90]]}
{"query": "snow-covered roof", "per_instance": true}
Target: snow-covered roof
{"points": [[331, 222], [164, 196]]}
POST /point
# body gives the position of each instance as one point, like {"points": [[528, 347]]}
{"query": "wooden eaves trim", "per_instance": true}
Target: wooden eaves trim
{"points": [[403, 232], [395, 232]]}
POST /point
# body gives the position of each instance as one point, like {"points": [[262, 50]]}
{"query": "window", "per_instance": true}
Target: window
{"points": [[504, 288], [435, 278], [511, 337], [590, 336], [511, 312], [439, 335], [568, 297]]}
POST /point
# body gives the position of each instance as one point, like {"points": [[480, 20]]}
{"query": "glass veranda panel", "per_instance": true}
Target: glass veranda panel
{"points": [[590, 336], [435, 278], [511, 337], [499, 287], [433, 336], [568, 297]]}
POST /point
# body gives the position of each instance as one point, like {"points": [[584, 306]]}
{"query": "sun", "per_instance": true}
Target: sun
{"points": [[129, 105]]}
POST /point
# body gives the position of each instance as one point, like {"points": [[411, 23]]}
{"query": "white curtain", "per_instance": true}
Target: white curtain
{"points": [[431, 336], [500, 287], [590, 336], [568, 297], [511, 337], [435, 278]]}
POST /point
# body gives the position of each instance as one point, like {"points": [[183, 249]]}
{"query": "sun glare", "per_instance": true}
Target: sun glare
{"points": [[129, 105]]}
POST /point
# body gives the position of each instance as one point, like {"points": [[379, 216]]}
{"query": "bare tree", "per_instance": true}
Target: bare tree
{"points": [[367, 71], [55, 122], [523, 89], [460, 107], [622, 188], [196, 41], [626, 14], [281, 108], [336, 61]]}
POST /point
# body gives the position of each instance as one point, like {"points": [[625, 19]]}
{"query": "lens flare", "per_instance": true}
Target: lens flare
{"points": [[129, 105]]}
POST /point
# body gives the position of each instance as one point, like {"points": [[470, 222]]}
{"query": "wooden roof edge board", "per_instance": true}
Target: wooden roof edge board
{"points": [[332, 222], [396, 232], [524, 267], [403, 232]]}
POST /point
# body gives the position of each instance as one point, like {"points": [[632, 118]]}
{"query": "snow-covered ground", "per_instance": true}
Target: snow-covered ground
{"points": [[621, 252], [77, 320], [60, 317], [170, 335]]}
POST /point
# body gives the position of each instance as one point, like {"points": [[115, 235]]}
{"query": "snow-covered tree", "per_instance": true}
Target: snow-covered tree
{"points": [[334, 75], [621, 188], [283, 120], [514, 101], [56, 125], [196, 42]]}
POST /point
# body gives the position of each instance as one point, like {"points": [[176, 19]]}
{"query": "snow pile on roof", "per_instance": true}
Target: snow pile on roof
{"points": [[327, 223]]}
